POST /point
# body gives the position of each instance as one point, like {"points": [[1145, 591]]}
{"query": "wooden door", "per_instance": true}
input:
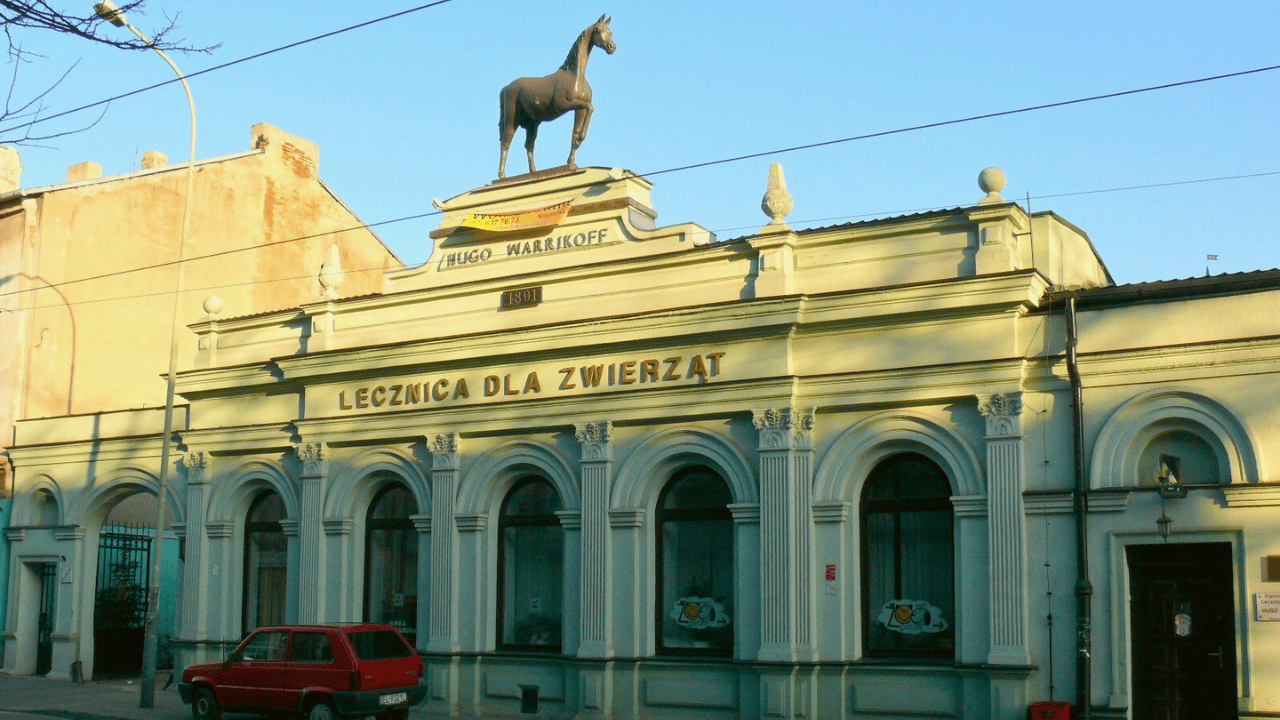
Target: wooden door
{"points": [[1183, 622]]}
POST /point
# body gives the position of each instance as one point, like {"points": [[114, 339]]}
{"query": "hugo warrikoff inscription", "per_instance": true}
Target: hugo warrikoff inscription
{"points": [[531, 100]]}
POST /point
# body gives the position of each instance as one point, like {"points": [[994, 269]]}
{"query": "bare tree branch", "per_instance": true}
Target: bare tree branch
{"points": [[17, 17]]}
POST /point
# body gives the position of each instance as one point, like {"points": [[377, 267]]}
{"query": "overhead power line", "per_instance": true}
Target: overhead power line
{"points": [[247, 58], [885, 213], [738, 158]]}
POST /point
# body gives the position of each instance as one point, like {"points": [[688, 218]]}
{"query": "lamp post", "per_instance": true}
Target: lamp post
{"points": [[108, 11]]}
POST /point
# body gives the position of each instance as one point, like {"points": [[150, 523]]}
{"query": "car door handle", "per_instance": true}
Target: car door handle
{"points": [[1217, 654]]}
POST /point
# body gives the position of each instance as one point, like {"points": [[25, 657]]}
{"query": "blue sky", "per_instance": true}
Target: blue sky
{"points": [[406, 110]]}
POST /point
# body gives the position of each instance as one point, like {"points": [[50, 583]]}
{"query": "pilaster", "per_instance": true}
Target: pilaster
{"points": [[314, 458], [596, 632], [422, 524], [198, 467], [1008, 580], [786, 533], [444, 562]]}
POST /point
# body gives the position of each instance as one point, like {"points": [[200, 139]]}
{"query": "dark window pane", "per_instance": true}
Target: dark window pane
{"points": [[379, 645], [531, 573], [908, 560], [265, 563], [697, 489], [310, 647], [695, 535], [532, 498], [391, 561]]}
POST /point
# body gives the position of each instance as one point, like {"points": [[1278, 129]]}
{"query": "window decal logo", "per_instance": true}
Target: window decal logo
{"points": [[698, 613], [911, 617]]}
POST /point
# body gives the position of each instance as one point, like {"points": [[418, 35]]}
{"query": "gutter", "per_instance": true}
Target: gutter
{"points": [[1084, 588]]}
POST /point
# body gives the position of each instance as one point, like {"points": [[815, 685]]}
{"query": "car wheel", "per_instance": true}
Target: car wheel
{"points": [[322, 711], [204, 706]]}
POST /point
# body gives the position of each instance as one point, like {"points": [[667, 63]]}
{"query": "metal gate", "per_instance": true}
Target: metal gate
{"points": [[44, 630], [120, 606]]}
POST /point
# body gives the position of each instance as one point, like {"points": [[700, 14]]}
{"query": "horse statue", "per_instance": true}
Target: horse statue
{"points": [[532, 100]]}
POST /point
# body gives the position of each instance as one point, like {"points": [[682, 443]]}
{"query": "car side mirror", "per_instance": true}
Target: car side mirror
{"points": [[233, 657]]}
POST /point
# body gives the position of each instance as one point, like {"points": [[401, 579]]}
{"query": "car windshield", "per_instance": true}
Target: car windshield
{"points": [[379, 645]]}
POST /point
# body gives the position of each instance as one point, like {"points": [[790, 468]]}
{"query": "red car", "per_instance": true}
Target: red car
{"points": [[324, 672]]}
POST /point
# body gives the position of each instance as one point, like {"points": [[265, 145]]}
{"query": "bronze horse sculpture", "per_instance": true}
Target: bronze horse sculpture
{"points": [[531, 100]]}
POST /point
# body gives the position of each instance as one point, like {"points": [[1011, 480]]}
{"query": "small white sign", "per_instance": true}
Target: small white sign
{"points": [[1268, 605]]}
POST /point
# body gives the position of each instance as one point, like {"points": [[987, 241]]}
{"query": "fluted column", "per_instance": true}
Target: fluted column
{"points": [[315, 474], [194, 602], [597, 567], [444, 561], [1007, 537], [786, 534]]}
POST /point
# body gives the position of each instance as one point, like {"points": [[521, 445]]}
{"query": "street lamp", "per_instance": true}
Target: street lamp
{"points": [[108, 11]]}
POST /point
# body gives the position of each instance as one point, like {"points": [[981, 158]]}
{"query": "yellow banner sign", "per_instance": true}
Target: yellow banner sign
{"points": [[521, 220]]}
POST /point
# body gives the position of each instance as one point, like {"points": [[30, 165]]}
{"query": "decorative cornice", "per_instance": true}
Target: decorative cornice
{"points": [[290, 527], [219, 530], [1108, 502], [627, 517], [1003, 412], [338, 526], [969, 505], [17, 534], [1251, 495], [596, 439], [68, 532], [471, 523], [179, 529], [421, 523], [570, 519], [1048, 503], [831, 511], [444, 451], [785, 429], [314, 458], [745, 513]]}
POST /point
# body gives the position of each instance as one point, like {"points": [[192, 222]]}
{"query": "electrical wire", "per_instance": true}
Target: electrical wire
{"points": [[247, 58], [738, 158], [309, 276]]}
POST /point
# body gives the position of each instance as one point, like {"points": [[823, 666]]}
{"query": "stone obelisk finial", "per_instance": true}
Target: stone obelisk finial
{"points": [[776, 202]]}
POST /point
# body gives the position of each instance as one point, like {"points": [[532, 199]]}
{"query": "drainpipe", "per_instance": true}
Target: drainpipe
{"points": [[1084, 588]]}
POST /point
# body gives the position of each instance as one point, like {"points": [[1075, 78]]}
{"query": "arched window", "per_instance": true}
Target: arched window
{"points": [[695, 565], [391, 561], [265, 563], [531, 568], [908, 577]]}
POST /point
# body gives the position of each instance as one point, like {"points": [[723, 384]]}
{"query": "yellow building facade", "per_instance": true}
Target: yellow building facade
{"points": [[594, 467]]}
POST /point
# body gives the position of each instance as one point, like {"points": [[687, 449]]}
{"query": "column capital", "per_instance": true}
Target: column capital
{"points": [[596, 439], [570, 519], [314, 458], [69, 532], [444, 451], [197, 464], [338, 526], [787, 428], [745, 513], [1003, 412], [290, 527]]}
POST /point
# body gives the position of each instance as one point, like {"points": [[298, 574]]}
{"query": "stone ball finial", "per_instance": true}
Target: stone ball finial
{"points": [[213, 305], [776, 202], [991, 181]]}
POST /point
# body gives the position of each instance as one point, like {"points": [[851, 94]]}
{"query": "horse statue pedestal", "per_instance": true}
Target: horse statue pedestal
{"points": [[539, 175]]}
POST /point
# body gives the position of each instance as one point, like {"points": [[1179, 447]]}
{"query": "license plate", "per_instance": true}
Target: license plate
{"points": [[393, 698]]}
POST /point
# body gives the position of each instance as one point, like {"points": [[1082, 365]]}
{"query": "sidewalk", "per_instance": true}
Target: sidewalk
{"points": [[108, 699]]}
